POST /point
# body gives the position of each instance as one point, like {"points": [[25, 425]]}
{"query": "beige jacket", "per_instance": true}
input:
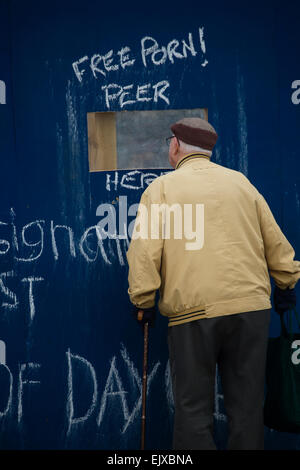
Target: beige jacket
{"points": [[240, 245]]}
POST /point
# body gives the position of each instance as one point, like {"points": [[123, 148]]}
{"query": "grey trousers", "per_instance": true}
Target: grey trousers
{"points": [[238, 345]]}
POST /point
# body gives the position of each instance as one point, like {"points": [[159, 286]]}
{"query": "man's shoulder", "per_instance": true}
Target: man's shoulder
{"points": [[158, 181], [235, 174]]}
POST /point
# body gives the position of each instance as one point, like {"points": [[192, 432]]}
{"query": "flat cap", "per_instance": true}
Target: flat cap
{"points": [[195, 131]]}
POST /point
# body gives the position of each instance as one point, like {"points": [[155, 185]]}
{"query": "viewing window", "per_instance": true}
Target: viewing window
{"points": [[132, 139]]}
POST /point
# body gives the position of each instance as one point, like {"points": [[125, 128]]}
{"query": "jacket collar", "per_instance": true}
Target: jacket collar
{"points": [[188, 157]]}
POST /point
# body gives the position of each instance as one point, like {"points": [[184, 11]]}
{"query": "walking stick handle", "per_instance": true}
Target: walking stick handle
{"points": [[144, 389]]}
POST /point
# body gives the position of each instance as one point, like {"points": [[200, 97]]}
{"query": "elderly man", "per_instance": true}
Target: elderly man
{"points": [[216, 292]]}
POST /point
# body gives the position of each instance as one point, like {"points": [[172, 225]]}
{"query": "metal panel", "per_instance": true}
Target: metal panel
{"points": [[73, 352]]}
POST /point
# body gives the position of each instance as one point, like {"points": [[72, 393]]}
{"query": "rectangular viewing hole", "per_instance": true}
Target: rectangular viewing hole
{"points": [[133, 139]]}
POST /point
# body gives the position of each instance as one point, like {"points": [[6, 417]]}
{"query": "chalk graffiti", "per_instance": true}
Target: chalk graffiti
{"points": [[122, 391], [151, 54], [10, 295], [25, 369], [102, 64], [70, 400], [7, 292], [138, 95], [134, 179], [114, 387], [10, 392], [30, 281], [27, 244]]}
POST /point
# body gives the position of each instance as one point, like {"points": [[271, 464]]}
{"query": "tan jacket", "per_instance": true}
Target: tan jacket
{"points": [[242, 245]]}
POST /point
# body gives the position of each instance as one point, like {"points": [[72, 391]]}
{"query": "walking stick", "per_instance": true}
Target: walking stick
{"points": [[144, 392]]}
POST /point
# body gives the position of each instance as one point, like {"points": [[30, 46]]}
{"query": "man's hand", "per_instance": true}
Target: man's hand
{"points": [[284, 299], [145, 315]]}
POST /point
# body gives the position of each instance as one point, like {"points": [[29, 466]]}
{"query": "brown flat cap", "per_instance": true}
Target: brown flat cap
{"points": [[195, 131]]}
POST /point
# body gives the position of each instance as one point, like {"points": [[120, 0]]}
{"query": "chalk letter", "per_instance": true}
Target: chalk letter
{"points": [[147, 178], [115, 182], [70, 402], [39, 243], [113, 379], [189, 46], [30, 280], [122, 102], [124, 57], [149, 50], [172, 46], [94, 65], [134, 175], [14, 228], [78, 72], [71, 239], [163, 58], [4, 242], [141, 89], [99, 245], [107, 61], [202, 42], [9, 399], [134, 375], [8, 292], [159, 92], [113, 96], [30, 365]]}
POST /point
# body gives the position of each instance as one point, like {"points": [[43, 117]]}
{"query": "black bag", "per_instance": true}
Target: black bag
{"points": [[282, 402]]}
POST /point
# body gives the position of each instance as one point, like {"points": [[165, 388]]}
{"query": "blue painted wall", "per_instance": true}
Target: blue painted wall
{"points": [[72, 375]]}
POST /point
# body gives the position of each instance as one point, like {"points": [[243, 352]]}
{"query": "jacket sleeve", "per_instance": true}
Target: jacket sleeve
{"points": [[145, 252], [278, 251]]}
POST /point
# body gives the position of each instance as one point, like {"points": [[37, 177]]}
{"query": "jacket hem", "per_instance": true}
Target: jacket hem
{"points": [[231, 307]]}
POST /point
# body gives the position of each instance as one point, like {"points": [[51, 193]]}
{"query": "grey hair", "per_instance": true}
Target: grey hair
{"points": [[192, 148]]}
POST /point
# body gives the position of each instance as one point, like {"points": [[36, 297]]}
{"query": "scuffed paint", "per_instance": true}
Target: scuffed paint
{"points": [[215, 121], [76, 158], [242, 124], [72, 120]]}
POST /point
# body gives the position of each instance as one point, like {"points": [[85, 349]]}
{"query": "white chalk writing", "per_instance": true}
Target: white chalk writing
{"points": [[114, 387], [122, 391], [7, 292], [27, 244], [70, 403], [30, 281], [10, 392], [23, 368], [151, 54]]}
